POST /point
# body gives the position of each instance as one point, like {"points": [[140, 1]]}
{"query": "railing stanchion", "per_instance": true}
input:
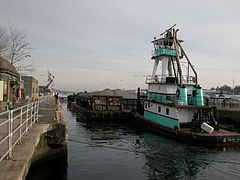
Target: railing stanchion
{"points": [[31, 115], [34, 112], [10, 116], [20, 125], [27, 120], [38, 103]]}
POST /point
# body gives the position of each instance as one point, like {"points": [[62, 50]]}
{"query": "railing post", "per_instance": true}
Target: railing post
{"points": [[10, 118], [27, 120], [38, 104], [20, 125], [34, 113], [31, 115]]}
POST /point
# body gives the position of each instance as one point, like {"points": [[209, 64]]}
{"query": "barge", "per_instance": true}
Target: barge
{"points": [[95, 107], [174, 105]]}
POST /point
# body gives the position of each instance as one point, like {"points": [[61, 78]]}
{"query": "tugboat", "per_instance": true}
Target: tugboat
{"points": [[174, 106]]}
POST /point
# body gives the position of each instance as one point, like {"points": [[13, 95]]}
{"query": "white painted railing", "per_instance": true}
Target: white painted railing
{"points": [[14, 124], [162, 79]]}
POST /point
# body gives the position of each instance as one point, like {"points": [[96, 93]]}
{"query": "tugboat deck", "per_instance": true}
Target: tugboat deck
{"points": [[220, 132]]}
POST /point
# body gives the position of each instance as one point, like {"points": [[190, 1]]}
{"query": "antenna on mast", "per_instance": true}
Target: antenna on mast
{"points": [[168, 29]]}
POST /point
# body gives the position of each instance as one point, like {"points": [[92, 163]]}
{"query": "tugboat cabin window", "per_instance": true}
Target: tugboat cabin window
{"points": [[149, 105], [167, 111], [145, 105], [159, 109]]}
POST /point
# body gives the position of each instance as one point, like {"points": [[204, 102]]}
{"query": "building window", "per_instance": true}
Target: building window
{"points": [[3, 90], [167, 111], [159, 109]]}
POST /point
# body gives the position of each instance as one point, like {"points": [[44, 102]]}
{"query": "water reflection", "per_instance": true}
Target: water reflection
{"points": [[56, 169], [164, 158], [168, 159]]}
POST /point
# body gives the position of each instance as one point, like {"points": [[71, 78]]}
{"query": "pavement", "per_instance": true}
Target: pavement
{"points": [[17, 167]]}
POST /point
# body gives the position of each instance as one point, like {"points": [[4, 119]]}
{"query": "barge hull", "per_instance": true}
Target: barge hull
{"points": [[221, 138]]}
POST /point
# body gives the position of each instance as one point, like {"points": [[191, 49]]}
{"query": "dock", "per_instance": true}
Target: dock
{"points": [[41, 138]]}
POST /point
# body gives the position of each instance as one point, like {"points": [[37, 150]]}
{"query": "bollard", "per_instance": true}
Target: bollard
{"points": [[56, 113]]}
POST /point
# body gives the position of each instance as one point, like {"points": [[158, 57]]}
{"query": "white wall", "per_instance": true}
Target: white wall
{"points": [[162, 88], [185, 115]]}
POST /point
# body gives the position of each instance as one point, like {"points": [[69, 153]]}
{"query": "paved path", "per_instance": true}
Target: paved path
{"points": [[18, 166]]}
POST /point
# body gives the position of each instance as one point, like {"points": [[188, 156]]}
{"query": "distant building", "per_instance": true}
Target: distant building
{"points": [[8, 84], [209, 93], [30, 86]]}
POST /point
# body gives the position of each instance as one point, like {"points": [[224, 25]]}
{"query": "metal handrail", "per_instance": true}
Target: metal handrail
{"points": [[162, 79], [27, 116]]}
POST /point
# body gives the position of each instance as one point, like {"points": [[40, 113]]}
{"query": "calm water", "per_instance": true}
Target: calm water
{"points": [[118, 150]]}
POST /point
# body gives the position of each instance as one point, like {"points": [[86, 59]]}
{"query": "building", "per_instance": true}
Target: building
{"points": [[30, 87], [8, 84]]}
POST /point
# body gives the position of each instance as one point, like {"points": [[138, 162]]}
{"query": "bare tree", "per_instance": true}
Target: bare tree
{"points": [[4, 39], [19, 49]]}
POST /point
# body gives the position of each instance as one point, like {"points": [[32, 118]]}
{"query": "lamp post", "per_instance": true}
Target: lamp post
{"points": [[20, 79], [19, 91]]}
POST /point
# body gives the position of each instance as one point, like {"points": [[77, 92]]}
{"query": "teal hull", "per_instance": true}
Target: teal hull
{"points": [[162, 120]]}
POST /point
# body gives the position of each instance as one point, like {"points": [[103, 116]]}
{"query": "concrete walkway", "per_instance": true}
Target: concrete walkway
{"points": [[18, 166]]}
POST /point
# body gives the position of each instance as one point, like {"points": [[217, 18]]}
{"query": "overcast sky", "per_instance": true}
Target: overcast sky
{"points": [[97, 44]]}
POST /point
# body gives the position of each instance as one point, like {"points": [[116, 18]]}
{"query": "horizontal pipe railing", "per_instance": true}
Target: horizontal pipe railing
{"points": [[14, 124], [189, 80]]}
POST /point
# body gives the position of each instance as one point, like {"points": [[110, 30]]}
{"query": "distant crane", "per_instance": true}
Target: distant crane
{"points": [[51, 77]]}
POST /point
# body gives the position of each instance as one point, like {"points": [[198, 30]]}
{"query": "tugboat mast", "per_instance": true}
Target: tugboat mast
{"points": [[168, 50]]}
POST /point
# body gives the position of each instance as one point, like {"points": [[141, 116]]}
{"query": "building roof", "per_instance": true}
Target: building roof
{"points": [[29, 79], [7, 67]]}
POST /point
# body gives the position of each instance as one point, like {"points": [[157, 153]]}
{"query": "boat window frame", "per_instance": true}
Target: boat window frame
{"points": [[167, 111]]}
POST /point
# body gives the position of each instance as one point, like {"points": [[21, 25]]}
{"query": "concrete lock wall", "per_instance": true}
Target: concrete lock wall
{"points": [[47, 142], [52, 145]]}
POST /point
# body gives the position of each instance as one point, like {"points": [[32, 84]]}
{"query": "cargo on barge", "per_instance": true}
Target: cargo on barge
{"points": [[98, 106]]}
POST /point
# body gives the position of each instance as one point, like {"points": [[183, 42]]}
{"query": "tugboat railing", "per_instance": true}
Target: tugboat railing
{"points": [[161, 79], [14, 124]]}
